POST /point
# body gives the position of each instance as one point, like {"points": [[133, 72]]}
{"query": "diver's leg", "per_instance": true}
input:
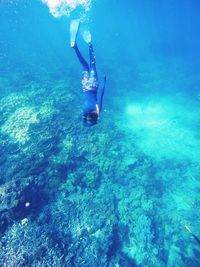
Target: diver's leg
{"points": [[93, 71], [81, 58], [92, 58]]}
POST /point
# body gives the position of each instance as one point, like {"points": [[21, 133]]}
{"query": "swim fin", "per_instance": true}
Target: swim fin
{"points": [[74, 25], [86, 35]]}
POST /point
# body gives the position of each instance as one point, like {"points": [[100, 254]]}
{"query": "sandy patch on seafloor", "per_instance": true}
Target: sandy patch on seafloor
{"points": [[165, 128]]}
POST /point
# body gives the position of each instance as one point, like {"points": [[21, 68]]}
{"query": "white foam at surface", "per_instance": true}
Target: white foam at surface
{"points": [[60, 8]]}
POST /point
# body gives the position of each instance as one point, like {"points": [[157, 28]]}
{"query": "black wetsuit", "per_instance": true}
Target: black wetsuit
{"points": [[91, 94]]}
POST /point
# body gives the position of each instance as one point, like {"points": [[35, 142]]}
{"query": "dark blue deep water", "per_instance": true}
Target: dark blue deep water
{"points": [[124, 192]]}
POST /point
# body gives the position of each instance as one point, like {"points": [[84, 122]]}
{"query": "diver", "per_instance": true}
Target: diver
{"points": [[92, 96]]}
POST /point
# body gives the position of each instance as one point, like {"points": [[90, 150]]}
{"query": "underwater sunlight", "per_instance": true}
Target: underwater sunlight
{"points": [[99, 133]]}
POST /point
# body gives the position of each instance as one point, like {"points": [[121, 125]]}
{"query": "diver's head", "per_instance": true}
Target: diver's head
{"points": [[91, 118]]}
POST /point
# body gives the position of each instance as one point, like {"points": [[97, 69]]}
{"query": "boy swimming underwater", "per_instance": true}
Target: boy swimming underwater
{"points": [[93, 97]]}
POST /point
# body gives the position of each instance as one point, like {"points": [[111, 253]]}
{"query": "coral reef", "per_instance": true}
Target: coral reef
{"points": [[72, 196]]}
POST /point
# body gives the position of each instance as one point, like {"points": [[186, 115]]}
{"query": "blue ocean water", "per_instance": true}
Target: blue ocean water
{"points": [[124, 192]]}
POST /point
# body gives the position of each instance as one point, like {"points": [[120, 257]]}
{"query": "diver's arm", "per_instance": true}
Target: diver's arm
{"points": [[100, 97]]}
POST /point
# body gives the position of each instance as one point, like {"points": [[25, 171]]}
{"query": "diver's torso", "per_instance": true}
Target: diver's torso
{"points": [[89, 87], [89, 81]]}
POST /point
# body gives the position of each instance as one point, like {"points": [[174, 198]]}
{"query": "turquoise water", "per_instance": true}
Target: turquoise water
{"points": [[126, 191]]}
